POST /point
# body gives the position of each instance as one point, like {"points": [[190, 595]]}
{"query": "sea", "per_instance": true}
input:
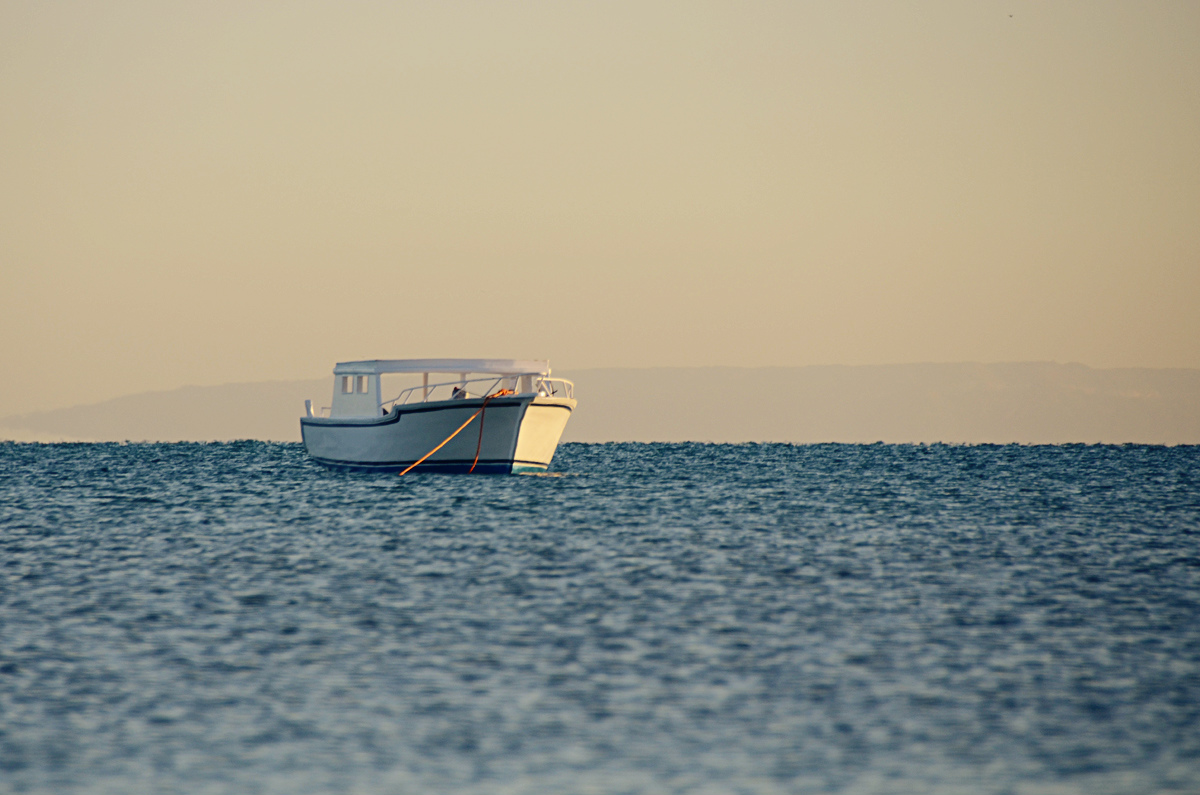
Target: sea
{"points": [[643, 618]]}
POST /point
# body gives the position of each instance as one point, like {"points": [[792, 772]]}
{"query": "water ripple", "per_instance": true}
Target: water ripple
{"points": [[690, 618]]}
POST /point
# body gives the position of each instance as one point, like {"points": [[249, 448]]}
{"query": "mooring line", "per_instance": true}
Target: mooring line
{"points": [[460, 427], [479, 444], [443, 444]]}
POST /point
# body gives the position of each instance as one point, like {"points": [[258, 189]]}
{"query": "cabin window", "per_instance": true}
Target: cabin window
{"points": [[347, 386], [362, 384]]}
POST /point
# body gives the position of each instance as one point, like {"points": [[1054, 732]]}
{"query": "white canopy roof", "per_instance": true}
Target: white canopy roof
{"points": [[485, 366]]}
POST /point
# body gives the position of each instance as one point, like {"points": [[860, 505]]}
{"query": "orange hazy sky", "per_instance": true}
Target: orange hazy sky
{"points": [[198, 193]]}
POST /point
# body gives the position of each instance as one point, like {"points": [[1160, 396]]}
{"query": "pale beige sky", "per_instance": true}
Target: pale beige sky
{"points": [[199, 193]]}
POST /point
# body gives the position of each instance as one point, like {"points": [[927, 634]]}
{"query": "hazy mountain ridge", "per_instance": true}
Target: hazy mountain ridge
{"points": [[1028, 402], [263, 410], [976, 403]]}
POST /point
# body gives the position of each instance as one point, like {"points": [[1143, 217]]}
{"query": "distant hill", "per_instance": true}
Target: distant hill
{"points": [[1028, 402], [267, 410], [975, 403]]}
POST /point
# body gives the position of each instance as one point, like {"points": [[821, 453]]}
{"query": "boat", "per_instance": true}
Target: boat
{"points": [[483, 416]]}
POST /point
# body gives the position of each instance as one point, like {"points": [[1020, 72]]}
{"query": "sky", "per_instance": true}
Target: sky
{"points": [[217, 192]]}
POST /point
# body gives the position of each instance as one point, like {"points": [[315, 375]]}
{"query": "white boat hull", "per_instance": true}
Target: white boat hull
{"points": [[519, 434]]}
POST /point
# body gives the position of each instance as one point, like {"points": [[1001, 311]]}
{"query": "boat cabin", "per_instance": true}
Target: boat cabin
{"points": [[358, 387]]}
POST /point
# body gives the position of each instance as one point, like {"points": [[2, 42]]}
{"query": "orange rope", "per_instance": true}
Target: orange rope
{"points": [[421, 460], [443, 444], [479, 444]]}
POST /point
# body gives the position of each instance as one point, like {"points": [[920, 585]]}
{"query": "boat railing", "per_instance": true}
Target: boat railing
{"points": [[555, 387], [480, 387], [313, 411]]}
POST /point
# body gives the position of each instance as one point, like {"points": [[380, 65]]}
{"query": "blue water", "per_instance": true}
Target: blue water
{"points": [[230, 618]]}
